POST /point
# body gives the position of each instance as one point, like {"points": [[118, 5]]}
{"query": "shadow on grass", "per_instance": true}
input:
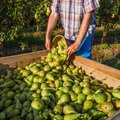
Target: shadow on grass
{"points": [[114, 62], [29, 39]]}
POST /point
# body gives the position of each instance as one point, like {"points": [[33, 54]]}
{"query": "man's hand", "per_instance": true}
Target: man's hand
{"points": [[48, 43], [72, 48], [82, 32]]}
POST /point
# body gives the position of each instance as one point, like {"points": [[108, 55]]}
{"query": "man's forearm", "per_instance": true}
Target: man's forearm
{"points": [[84, 27], [51, 24]]}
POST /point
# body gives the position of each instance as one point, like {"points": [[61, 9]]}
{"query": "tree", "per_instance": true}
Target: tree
{"points": [[14, 15], [108, 15]]}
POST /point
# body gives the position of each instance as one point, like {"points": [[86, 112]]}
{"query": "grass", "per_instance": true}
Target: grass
{"points": [[111, 33], [114, 62], [31, 38], [27, 39]]}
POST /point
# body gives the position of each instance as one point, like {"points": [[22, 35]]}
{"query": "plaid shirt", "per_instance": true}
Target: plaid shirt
{"points": [[72, 13]]}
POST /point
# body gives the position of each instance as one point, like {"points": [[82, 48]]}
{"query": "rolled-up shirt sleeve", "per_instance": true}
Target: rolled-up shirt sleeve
{"points": [[90, 5], [55, 6]]}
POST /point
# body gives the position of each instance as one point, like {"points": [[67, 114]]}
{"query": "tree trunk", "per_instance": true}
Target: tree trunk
{"points": [[37, 28], [104, 36], [2, 49]]}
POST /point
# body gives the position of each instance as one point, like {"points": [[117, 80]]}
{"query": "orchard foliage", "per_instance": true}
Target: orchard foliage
{"points": [[108, 15], [16, 14]]}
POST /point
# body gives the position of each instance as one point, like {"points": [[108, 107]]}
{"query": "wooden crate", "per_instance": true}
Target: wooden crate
{"points": [[107, 75]]}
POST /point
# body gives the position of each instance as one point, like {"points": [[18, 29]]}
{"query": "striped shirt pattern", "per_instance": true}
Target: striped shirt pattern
{"points": [[72, 13]]}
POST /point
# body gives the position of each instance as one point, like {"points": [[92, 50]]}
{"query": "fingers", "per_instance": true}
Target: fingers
{"points": [[48, 44], [69, 51]]}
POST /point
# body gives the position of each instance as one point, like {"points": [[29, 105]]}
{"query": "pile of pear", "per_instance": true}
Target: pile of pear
{"points": [[54, 89]]}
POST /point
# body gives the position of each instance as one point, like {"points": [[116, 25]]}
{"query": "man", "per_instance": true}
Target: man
{"points": [[78, 21]]}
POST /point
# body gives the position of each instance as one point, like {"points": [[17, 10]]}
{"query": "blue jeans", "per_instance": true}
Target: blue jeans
{"points": [[85, 48]]}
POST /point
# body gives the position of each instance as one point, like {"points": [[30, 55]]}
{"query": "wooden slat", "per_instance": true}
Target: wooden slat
{"points": [[97, 66], [21, 57], [22, 60]]}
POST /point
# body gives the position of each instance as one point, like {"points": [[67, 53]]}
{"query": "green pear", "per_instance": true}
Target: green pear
{"points": [[2, 102], [13, 113], [34, 69], [64, 99], [77, 82], [65, 77], [67, 84], [10, 95], [41, 73], [77, 89], [72, 116], [73, 96], [103, 118], [58, 109], [46, 92], [75, 71], [58, 117], [50, 55], [74, 87], [29, 116], [109, 96], [41, 80], [54, 50], [86, 90], [18, 104], [59, 94], [84, 84], [2, 115], [36, 95], [26, 73], [36, 79], [68, 109], [69, 72], [81, 98], [7, 103], [87, 105], [37, 104], [31, 77], [71, 66], [39, 64], [59, 67], [112, 112], [9, 109], [94, 82], [90, 97], [64, 67], [54, 70], [46, 68], [58, 83], [50, 76], [43, 85], [34, 87], [116, 93], [99, 98], [64, 89], [107, 107]]}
